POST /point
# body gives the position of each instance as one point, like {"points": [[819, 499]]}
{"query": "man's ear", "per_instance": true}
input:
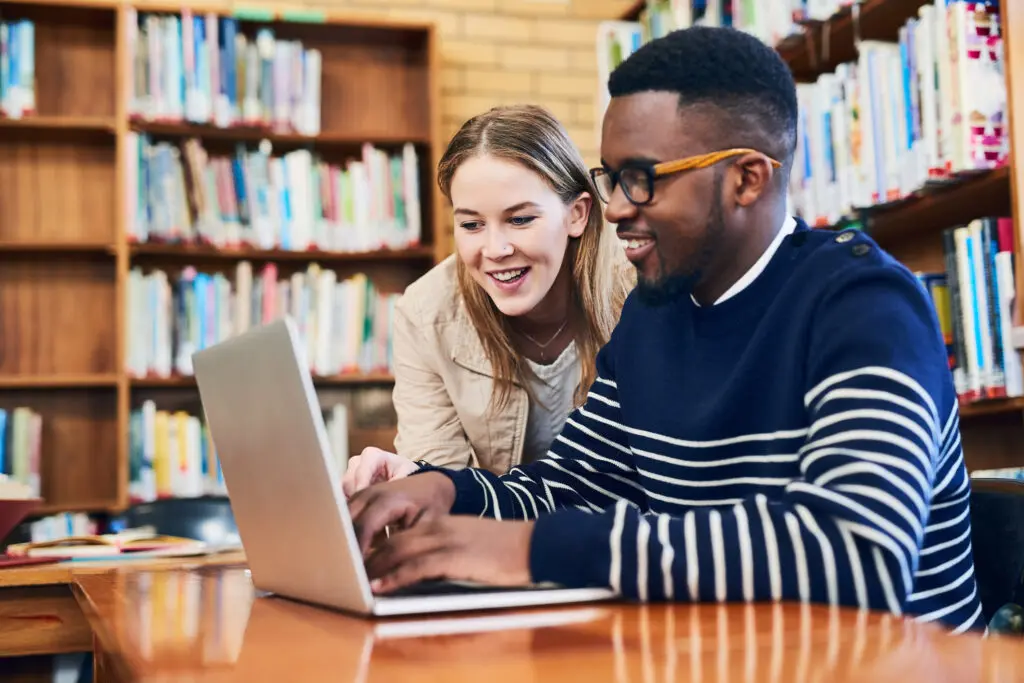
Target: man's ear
{"points": [[754, 174], [579, 213]]}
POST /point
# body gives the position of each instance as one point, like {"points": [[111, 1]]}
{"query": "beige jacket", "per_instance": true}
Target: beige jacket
{"points": [[443, 383]]}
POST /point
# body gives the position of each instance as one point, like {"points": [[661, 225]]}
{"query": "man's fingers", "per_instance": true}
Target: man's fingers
{"points": [[402, 547], [357, 501], [380, 511], [422, 567]]}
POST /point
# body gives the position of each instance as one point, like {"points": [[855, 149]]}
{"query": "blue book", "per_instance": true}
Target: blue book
{"points": [[4, 469]]}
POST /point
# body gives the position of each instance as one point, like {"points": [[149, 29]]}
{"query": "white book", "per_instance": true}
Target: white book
{"points": [[924, 41], [325, 323], [1012, 370], [310, 102]]}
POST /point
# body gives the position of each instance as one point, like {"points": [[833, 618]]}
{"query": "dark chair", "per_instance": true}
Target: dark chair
{"points": [[997, 538], [206, 519]]}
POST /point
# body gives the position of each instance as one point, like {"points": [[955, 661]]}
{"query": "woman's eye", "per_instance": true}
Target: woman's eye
{"points": [[522, 220], [470, 225]]}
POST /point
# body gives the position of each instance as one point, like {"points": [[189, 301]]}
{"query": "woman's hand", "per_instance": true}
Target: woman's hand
{"points": [[372, 467]]}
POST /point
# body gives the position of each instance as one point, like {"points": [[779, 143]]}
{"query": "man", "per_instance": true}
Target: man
{"points": [[773, 419]]}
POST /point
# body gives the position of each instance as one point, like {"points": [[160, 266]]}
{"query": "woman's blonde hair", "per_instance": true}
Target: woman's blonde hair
{"points": [[531, 136]]}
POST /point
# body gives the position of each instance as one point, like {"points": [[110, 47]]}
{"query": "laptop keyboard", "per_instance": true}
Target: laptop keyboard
{"points": [[442, 587]]}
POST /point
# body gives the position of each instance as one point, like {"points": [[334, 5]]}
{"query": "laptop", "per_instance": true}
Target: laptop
{"points": [[285, 488]]}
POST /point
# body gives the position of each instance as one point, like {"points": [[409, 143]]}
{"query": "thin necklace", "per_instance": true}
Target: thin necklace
{"points": [[548, 342]]}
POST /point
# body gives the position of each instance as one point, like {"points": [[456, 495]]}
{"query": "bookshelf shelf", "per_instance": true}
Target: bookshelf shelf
{"points": [[992, 407], [254, 134], [89, 124], [83, 506], [202, 253], [70, 258], [62, 381], [110, 5], [26, 248], [941, 205], [185, 382], [996, 484]]}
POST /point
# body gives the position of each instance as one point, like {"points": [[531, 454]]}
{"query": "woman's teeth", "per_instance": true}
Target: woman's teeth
{"points": [[509, 275]]}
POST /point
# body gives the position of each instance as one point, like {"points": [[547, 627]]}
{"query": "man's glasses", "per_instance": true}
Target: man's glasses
{"points": [[637, 180]]}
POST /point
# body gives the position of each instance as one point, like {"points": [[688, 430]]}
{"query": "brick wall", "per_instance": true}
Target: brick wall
{"points": [[511, 51]]}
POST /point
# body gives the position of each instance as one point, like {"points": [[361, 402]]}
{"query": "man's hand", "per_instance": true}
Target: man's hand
{"points": [[374, 466], [401, 502], [453, 547]]}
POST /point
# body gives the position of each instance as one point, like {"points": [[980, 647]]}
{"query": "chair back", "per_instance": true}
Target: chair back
{"points": [[997, 539], [207, 519]]}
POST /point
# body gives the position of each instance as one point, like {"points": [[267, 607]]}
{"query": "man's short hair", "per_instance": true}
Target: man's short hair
{"points": [[746, 82]]}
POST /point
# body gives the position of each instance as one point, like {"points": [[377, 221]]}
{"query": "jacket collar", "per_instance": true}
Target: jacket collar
{"points": [[467, 351]]}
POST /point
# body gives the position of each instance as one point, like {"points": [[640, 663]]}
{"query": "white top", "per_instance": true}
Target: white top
{"points": [[554, 388], [787, 227]]}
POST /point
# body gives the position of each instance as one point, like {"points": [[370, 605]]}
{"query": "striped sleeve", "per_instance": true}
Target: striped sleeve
{"points": [[587, 468], [848, 530]]}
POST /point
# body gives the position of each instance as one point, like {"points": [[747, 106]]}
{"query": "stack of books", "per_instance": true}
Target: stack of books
{"points": [[905, 115], [254, 199], [346, 325], [201, 68], [172, 455]]}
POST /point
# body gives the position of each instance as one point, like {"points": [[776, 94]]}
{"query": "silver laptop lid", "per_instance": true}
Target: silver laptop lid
{"points": [[283, 483]]}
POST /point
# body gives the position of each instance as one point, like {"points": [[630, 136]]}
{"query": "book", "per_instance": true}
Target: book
{"points": [[17, 68], [129, 541], [21, 435]]}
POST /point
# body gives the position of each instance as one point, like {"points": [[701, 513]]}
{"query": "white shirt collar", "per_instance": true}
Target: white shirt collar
{"points": [[788, 226]]}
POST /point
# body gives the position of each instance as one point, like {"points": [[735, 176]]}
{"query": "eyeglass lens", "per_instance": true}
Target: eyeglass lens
{"points": [[635, 183]]}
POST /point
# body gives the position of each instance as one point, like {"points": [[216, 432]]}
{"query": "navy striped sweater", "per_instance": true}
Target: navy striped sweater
{"points": [[798, 441]]}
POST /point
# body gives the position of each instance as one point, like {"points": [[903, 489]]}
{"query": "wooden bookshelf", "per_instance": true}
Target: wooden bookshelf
{"points": [[911, 228], [188, 382], [65, 254]]}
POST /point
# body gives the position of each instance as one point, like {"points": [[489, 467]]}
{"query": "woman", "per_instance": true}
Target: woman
{"points": [[496, 345]]}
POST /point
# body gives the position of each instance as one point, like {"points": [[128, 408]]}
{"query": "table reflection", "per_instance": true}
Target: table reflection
{"points": [[208, 625]]}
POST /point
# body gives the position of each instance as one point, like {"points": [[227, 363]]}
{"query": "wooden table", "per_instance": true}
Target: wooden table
{"points": [[39, 614], [205, 625]]}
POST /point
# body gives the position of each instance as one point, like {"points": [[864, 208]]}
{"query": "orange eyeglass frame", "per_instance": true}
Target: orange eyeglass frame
{"points": [[705, 160], [688, 164]]}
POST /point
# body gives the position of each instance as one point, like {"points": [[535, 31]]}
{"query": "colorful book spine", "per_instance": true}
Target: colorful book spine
{"points": [[17, 68], [201, 68], [345, 323], [252, 198], [906, 115], [172, 453], [973, 299], [21, 440]]}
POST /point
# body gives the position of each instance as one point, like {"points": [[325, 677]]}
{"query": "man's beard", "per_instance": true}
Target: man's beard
{"points": [[670, 287]]}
